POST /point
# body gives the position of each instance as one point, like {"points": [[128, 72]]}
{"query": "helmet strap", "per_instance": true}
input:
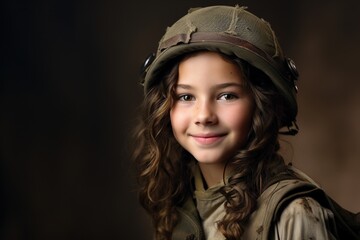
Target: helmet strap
{"points": [[292, 129]]}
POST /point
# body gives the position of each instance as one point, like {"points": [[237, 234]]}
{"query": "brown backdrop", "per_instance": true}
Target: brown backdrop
{"points": [[69, 91]]}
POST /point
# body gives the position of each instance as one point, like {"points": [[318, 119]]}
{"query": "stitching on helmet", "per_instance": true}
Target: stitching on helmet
{"points": [[192, 29], [234, 19]]}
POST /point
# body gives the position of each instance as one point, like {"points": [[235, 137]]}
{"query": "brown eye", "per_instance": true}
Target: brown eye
{"points": [[228, 96], [186, 97]]}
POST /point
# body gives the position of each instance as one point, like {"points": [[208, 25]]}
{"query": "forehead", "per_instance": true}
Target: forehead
{"points": [[209, 65]]}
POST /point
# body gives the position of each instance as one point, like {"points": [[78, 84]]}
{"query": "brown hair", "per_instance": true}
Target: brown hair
{"points": [[163, 165]]}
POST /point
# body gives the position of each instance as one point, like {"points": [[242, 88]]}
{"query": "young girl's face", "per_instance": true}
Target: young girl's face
{"points": [[213, 109]]}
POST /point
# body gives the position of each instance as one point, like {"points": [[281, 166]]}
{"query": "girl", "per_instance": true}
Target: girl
{"points": [[217, 94]]}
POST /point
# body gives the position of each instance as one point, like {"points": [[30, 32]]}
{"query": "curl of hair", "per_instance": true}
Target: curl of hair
{"points": [[162, 171], [254, 164]]}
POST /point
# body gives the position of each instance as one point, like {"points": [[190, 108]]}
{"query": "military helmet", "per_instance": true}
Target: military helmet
{"points": [[232, 31]]}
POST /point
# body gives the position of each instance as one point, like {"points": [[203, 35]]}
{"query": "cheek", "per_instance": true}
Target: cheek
{"points": [[177, 119], [241, 119]]}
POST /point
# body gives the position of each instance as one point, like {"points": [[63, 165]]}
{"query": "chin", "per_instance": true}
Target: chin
{"points": [[209, 160]]}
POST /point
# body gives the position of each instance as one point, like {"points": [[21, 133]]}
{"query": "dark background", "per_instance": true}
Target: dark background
{"points": [[69, 91]]}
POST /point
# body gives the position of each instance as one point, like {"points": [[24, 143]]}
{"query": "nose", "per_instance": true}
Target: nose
{"points": [[205, 113]]}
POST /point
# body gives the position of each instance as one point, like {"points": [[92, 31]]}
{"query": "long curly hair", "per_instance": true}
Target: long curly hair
{"points": [[163, 165]]}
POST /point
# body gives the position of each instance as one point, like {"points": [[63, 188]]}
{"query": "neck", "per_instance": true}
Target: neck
{"points": [[212, 173]]}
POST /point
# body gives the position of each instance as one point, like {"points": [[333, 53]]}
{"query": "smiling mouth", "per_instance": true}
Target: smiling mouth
{"points": [[208, 140]]}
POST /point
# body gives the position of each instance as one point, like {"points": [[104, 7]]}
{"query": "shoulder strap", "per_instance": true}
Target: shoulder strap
{"points": [[261, 221], [347, 223], [277, 196]]}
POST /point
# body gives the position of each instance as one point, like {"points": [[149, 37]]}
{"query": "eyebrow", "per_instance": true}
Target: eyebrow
{"points": [[184, 86]]}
